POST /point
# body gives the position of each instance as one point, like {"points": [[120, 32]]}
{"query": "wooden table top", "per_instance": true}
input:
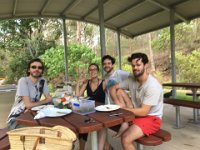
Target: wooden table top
{"points": [[78, 123], [186, 85]]}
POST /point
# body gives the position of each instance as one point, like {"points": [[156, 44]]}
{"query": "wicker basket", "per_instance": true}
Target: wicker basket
{"points": [[42, 138]]}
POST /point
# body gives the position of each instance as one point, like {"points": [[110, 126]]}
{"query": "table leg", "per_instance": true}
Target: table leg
{"points": [[195, 118], [178, 118], [195, 111], [94, 141], [139, 146]]}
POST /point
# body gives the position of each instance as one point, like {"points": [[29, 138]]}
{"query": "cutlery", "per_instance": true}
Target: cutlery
{"points": [[116, 114], [107, 107], [89, 120]]}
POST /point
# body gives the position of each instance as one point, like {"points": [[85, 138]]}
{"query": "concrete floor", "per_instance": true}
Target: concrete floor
{"points": [[187, 138]]}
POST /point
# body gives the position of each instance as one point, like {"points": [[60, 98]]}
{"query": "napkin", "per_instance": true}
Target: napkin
{"points": [[43, 112], [40, 115], [52, 112]]}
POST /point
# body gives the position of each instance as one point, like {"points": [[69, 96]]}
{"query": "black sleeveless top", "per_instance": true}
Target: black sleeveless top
{"points": [[98, 95]]}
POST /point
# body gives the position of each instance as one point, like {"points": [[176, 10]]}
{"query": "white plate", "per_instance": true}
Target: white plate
{"points": [[55, 112], [36, 108], [107, 107]]}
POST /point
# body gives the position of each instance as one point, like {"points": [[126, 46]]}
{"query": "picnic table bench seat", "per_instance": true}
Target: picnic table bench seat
{"points": [[183, 103], [4, 141], [190, 94], [152, 140]]}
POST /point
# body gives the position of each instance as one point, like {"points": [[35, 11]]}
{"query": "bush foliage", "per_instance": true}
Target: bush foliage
{"points": [[188, 66], [79, 57]]}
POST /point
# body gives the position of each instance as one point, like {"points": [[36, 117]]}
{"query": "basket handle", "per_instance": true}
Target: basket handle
{"points": [[39, 139], [22, 139], [36, 143]]}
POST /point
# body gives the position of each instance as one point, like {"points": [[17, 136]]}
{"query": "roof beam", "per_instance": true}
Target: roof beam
{"points": [[44, 6], [125, 10], [168, 9], [147, 16], [140, 19], [153, 29], [15, 7], [68, 8], [93, 9]]}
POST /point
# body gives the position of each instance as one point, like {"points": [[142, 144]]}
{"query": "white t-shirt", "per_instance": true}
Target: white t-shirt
{"points": [[150, 93], [118, 76]]}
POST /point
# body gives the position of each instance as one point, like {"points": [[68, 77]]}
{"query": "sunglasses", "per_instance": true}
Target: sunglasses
{"points": [[37, 67]]}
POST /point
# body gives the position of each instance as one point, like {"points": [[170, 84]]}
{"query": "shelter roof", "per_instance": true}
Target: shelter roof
{"points": [[130, 17]]}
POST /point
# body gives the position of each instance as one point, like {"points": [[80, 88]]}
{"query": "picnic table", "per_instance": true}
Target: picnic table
{"points": [[4, 142], [194, 87], [80, 123]]}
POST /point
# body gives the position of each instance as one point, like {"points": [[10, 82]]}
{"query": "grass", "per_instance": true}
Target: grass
{"points": [[181, 94]]}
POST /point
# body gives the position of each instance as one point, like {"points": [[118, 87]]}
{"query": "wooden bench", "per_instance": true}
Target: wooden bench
{"points": [[4, 141], [183, 103], [152, 140], [190, 94]]}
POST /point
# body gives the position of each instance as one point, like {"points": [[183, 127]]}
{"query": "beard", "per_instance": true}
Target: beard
{"points": [[108, 69], [138, 74], [36, 74]]}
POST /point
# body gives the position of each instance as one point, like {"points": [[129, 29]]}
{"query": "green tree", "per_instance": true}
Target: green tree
{"points": [[24, 39], [79, 57], [188, 66]]}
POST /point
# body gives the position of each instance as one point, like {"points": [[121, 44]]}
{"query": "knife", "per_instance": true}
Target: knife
{"points": [[116, 114]]}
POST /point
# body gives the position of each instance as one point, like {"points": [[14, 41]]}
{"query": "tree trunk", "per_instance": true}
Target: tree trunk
{"points": [[78, 32], [151, 54]]}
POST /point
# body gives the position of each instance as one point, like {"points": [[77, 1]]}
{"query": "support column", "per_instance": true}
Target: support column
{"points": [[172, 42], [102, 29], [173, 64], [65, 49], [119, 50]]}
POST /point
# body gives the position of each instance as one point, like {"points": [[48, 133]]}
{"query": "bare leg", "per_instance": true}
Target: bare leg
{"points": [[124, 99], [123, 127], [101, 138], [107, 146], [82, 144], [129, 136]]}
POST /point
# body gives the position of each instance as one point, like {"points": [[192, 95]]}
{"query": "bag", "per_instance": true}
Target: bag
{"points": [[41, 85], [41, 138]]}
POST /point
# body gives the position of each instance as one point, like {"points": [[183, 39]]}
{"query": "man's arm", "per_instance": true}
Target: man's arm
{"points": [[142, 111], [28, 104]]}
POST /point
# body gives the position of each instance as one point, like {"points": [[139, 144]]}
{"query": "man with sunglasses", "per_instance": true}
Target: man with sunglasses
{"points": [[29, 91]]}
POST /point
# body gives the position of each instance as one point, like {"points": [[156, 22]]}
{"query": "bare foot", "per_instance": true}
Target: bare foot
{"points": [[123, 127]]}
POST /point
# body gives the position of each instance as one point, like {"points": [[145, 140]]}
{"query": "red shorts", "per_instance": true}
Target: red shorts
{"points": [[148, 124]]}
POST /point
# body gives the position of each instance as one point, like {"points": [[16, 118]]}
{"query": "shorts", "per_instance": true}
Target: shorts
{"points": [[148, 124]]}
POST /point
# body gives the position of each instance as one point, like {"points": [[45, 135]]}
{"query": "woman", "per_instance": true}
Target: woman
{"points": [[95, 88]]}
